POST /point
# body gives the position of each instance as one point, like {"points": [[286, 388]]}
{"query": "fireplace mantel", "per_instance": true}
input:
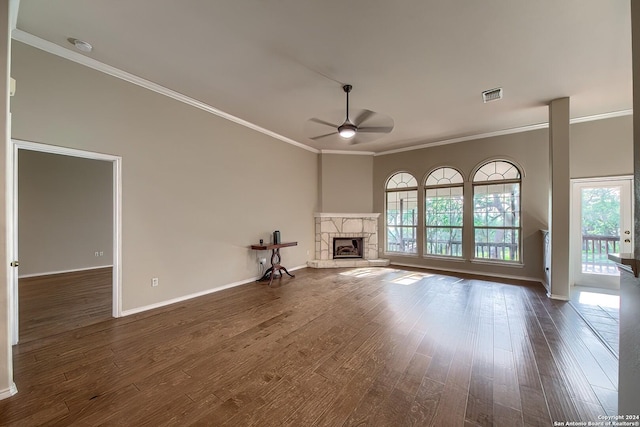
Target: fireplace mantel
{"points": [[346, 225]]}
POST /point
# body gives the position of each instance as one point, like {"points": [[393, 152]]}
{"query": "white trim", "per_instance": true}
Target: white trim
{"points": [[79, 58], [602, 116], [515, 264], [196, 295], [55, 149], [558, 297], [345, 215], [444, 258], [477, 273], [605, 281], [506, 132], [14, 6], [8, 392], [74, 270], [47, 46], [117, 205], [357, 153], [601, 179]]}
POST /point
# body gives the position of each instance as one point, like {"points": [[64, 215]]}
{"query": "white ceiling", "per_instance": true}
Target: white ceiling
{"points": [[424, 63]]}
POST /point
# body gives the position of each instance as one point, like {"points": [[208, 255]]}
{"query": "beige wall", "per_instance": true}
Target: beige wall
{"points": [[602, 148], [530, 150], [65, 207], [194, 193], [347, 183]]}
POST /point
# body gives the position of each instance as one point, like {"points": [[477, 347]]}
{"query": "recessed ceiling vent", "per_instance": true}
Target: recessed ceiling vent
{"points": [[492, 95]]}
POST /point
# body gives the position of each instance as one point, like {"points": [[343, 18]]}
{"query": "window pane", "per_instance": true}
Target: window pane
{"points": [[402, 219], [444, 241], [499, 244], [401, 239], [496, 171], [496, 212], [497, 205], [402, 207], [444, 176], [443, 220], [402, 180]]}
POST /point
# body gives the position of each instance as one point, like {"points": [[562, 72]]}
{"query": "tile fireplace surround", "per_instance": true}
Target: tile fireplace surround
{"points": [[330, 225]]}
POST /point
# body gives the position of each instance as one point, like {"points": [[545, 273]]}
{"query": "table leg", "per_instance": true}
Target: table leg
{"points": [[275, 266]]}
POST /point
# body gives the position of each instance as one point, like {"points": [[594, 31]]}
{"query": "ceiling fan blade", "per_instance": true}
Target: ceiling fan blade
{"points": [[362, 117], [379, 129], [323, 136], [322, 122]]}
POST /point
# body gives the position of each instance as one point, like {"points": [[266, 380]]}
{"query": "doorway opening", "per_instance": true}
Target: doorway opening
{"points": [[601, 223], [111, 274]]}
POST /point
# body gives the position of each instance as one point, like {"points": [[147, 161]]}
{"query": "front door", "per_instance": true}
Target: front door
{"points": [[601, 224]]}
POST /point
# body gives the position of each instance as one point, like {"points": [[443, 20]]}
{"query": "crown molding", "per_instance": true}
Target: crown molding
{"points": [[357, 153], [78, 58], [508, 132], [14, 6]]}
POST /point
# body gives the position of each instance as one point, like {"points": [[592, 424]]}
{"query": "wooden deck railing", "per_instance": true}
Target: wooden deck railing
{"points": [[596, 248]]}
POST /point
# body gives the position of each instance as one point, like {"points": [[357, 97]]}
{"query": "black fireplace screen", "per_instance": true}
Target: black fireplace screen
{"points": [[347, 247]]}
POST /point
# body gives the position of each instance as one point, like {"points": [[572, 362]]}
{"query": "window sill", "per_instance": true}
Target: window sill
{"points": [[402, 254], [514, 264], [444, 258]]}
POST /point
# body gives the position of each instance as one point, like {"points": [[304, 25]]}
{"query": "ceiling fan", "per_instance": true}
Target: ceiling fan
{"points": [[366, 125]]}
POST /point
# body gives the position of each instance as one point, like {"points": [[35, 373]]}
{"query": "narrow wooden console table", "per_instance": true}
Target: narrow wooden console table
{"points": [[275, 260]]}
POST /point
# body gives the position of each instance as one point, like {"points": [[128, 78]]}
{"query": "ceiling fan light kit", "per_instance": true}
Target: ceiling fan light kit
{"points": [[347, 130], [353, 130]]}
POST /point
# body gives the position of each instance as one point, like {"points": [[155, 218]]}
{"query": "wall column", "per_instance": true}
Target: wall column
{"points": [[559, 197]]}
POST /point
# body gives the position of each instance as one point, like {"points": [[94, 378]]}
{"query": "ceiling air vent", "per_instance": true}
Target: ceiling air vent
{"points": [[492, 95]]}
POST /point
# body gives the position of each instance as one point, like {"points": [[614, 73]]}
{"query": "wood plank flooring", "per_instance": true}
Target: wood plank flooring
{"points": [[56, 303], [334, 347]]}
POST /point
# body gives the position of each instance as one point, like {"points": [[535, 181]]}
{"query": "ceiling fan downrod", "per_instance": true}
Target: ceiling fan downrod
{"points": [[347, 129]]}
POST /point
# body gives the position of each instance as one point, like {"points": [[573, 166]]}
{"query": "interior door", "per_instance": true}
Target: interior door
{"points": [[12, 238], [601, 224]]}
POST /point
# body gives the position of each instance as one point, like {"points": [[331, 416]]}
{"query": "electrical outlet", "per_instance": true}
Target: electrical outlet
{"points": [[154, 282], [101, 253], [96, 253], [263, 261]]}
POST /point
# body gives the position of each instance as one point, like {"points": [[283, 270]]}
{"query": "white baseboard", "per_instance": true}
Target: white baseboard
{"points": [[25, 276], [196, 294], [8, 392], [477, 273], [558, 297]]}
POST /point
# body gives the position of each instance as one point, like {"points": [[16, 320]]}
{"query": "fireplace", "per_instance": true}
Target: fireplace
{"points": [[347, 247], [346, 240]]}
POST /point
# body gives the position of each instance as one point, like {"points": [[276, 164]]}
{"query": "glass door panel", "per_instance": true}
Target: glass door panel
{"points": [[602, 225]]}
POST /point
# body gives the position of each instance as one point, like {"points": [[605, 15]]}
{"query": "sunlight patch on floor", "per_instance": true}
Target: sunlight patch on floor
{"points": [[410, 279], [602, 300], [366, 272]]}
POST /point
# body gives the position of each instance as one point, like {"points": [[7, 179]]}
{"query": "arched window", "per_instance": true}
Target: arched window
{"points": [[496, 212], [444, 201], [401, 213]]}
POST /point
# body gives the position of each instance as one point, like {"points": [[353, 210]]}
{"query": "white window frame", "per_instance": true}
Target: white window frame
{"points": [[498, 178], [404, 182]]}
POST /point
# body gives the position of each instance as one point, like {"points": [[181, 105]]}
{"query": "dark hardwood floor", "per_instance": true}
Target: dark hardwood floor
{"points": [[49, 305], [368, 347]]}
